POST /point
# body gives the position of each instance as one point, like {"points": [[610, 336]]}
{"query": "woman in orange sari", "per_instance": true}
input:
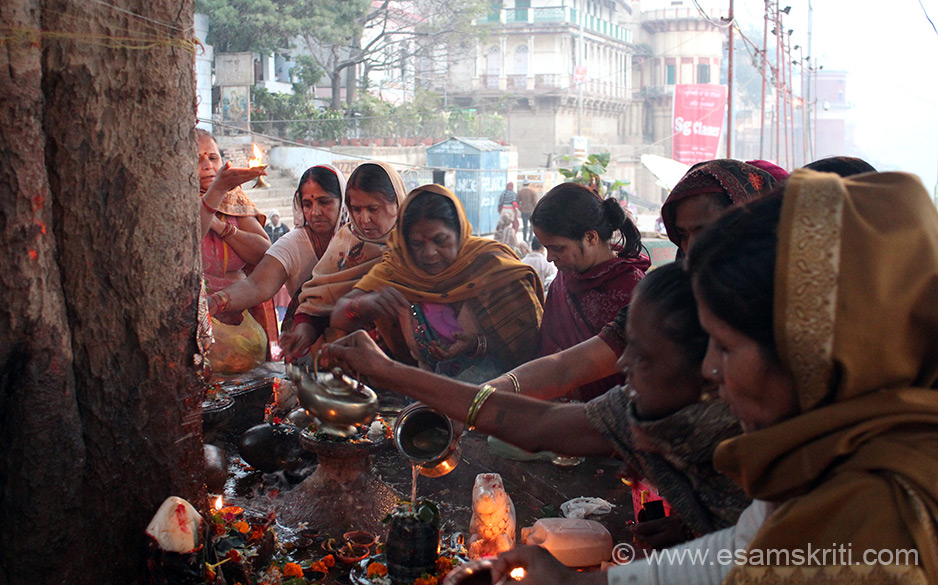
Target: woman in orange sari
{"points": [[455, 303]]}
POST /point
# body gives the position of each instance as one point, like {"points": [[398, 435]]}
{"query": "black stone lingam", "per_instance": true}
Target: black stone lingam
{"points": [[413, 541]]}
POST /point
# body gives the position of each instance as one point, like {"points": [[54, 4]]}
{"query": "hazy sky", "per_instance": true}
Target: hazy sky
{"points": [[889, 50]]}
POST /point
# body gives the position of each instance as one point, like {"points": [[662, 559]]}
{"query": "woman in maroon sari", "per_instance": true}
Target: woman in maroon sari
{"points": [[597, 251]]}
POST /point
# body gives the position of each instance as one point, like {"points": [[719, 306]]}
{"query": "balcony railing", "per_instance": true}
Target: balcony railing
{"points": [[490, 81], [519, 81], [559, 14]]}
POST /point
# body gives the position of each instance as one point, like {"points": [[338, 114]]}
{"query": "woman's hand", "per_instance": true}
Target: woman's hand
{"points": [[386, 302], [229, 177], [296, 342], [359, 353], [466, 343], [540, 568], [218, 225]]}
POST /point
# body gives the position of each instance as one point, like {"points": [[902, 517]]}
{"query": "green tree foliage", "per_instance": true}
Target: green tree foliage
{"points": [[248, 25]]}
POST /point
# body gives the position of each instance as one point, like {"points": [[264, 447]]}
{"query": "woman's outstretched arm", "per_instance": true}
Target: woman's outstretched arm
{"points": [[520, 420]]}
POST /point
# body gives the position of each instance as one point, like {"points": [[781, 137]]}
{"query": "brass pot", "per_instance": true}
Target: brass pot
{"points": [[427, 438], [337, 401]]}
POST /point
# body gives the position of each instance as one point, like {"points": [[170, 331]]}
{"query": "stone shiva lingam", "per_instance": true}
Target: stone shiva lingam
{"points": [[343, 493]]}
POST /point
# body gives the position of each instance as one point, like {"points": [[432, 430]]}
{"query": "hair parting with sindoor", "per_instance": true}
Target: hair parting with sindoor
{"points": [[432, 206], [371, 178], [569, 210]]}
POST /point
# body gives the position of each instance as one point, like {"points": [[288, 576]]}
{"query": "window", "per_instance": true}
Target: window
{"points": [[703, 73], [521, 60], [669, 74]]}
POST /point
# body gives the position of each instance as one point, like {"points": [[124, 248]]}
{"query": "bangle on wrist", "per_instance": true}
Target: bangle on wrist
{"points": [[231, 231], [476, 405], [302, 318], [222, 300], [353, 309], [514, 382], [481, 346], [207, 206]]}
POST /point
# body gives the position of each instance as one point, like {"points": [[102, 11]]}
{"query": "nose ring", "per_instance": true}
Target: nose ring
{"points": [[714, 371]]}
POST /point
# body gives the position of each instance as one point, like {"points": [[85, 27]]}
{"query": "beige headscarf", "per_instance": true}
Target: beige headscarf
{"points": [[856, 323], [350, 255]]}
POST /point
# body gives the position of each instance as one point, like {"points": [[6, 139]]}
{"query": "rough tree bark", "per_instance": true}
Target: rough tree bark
{"points": [[100, 415]]}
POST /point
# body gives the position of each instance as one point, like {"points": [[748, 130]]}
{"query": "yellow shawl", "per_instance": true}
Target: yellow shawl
{"points": [[350, 256], [856, 323], [504, 294]]}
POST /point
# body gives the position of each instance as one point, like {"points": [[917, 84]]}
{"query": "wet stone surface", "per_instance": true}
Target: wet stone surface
{"points": [[309, 508]]}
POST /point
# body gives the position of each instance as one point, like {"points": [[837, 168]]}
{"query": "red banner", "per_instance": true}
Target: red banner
{"points": [[697, 121]]}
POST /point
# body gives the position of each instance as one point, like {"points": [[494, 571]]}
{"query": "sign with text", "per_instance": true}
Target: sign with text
{"points": [[697, 121], [234, 69]]}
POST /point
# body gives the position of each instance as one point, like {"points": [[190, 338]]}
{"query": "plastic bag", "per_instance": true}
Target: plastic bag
{"points": [[238, 348]]}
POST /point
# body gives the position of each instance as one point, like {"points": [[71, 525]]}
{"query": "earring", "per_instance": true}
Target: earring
{"points": [[714, 372]]}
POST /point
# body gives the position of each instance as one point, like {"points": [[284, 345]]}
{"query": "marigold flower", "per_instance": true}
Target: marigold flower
{"points": [[328, 560], [443, 566], [376, 570], [292, 570], [242, 526]]}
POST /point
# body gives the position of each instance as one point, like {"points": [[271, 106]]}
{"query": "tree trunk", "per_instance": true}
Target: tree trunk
{"points": [[336, 79], [100, 407], [351, 79]]}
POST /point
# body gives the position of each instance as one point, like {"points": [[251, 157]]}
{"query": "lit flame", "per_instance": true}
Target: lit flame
{"points": [[517, 573], [219, 503], [258, 156]]}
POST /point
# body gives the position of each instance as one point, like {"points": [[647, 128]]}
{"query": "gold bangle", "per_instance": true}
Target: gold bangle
{"points": [[476, 405], [514, 382], [229, 233]]}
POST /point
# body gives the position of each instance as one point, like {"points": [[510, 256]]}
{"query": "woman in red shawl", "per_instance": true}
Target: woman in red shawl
{"points": [[596, 274], [705, 191]]}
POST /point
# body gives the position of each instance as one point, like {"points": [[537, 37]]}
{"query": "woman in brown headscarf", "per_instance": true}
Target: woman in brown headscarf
{"points": [[372, 196], [456, 303], [823, 341], [705, 191]]}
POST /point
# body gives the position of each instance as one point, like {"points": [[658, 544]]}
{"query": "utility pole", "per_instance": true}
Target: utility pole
{"points": [[729, 94], [765, 58], [810, 93], [791, 100], [778, 85], [579, 93]]}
